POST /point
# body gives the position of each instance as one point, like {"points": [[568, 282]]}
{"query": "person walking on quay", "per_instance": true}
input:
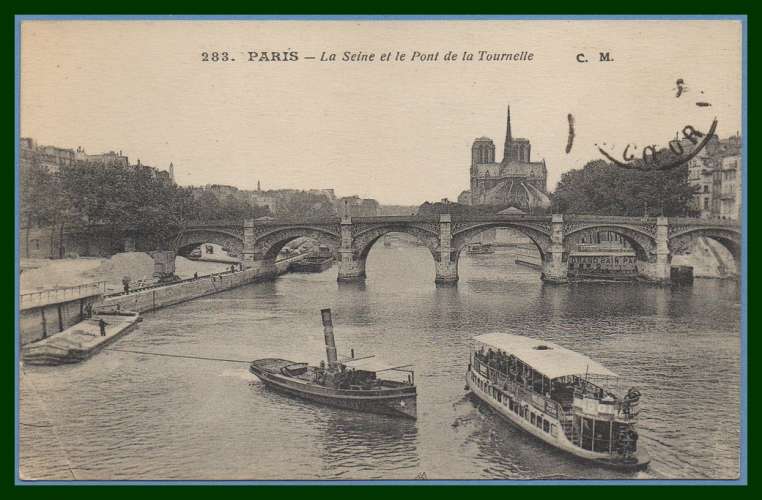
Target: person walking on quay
{"points": [[102, 325], [126, 283], [195, 275]]}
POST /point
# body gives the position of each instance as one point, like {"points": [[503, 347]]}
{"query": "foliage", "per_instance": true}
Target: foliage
{"points": [[601, 188], [136, 198]]}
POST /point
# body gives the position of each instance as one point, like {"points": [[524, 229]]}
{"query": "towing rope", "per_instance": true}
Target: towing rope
{"points": [[177, 355]]}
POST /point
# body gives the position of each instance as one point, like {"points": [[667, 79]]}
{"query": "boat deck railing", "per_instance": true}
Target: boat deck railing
{"points": [[542, 402]]}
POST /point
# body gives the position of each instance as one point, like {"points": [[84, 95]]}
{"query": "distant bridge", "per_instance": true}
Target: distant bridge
{"points": [[654, 239]]}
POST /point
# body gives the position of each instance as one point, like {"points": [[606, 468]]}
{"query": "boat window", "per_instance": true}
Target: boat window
{"points": [[531, 418], [546, 426], [539, 422]]}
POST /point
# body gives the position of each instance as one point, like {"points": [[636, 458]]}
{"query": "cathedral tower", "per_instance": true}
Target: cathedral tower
{"points": [[517, 150], [482, 151]]}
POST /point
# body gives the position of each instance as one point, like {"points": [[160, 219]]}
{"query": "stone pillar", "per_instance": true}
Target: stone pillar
{"points": [[351, 267], [248, 243], [658, 270], [447, 265], [554, 265]]}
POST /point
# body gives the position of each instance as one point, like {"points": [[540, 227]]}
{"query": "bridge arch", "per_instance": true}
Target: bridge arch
{"points": [[682, 239], [192, 237], [642, 242], [268, 245], [539, 235], [364, 239]]}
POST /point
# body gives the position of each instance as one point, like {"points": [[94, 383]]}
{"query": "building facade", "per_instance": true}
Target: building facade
{"points": [[715, 171], [515, 181]]}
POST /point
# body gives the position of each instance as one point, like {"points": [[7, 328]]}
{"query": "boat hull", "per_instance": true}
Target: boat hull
{"points": [[312, 265], [397, 402], [639, 461]]}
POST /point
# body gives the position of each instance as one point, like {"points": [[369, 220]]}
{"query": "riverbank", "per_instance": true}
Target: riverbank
{"points": [[153, 298]]}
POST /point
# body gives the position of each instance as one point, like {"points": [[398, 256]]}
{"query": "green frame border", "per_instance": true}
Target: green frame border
{"points": [[396, 7]]}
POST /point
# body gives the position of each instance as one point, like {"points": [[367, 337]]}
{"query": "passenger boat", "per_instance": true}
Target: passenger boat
{"points": [[479, 249], [559, 396], [352, 384]]}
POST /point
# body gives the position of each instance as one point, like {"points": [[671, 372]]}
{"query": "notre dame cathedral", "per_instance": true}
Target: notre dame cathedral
{"points": [[515, 182]]}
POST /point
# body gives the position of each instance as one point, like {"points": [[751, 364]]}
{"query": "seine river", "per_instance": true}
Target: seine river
{"points": [[130, 416]]}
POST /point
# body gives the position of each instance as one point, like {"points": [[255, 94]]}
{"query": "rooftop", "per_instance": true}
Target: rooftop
{"points": [[548, 358]]}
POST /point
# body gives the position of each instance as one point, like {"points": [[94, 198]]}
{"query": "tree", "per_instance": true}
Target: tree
{"points": [[601, 188]]}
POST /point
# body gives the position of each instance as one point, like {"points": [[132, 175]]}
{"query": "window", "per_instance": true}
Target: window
{"points": [[706, 203], [539, 422], [531, 418], [706, 188], [546, 426]]}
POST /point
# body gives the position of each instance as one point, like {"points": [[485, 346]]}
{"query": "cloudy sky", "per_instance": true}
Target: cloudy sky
{"points": [[399, 132]]}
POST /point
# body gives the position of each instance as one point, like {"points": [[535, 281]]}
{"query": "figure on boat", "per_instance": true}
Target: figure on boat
{"points": [[558, 395]]}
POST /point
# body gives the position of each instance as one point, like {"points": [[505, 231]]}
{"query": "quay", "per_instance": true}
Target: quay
{"points": [[77, 337], [155, 297]]}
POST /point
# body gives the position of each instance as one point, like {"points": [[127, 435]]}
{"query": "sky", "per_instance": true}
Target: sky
{"points": [[399, 132]]}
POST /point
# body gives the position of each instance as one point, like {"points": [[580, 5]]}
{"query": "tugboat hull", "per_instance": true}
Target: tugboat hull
{"points": [[397, 402]]}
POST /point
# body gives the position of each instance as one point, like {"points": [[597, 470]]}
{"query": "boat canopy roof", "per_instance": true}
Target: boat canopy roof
{"points": [[548, 358], [371, 364]]}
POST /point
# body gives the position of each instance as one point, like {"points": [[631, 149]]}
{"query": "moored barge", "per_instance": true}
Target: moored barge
{"points": [[559, 396]]}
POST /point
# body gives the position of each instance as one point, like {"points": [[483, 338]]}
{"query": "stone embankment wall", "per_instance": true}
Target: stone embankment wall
{"points": [[156, 298]]}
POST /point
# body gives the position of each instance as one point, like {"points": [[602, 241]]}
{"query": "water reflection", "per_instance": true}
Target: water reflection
{"points": [[375, 446], [142, 417]]}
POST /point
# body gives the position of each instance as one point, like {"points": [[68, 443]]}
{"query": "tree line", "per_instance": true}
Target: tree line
{"points": [[117, 197], [602, 188]]}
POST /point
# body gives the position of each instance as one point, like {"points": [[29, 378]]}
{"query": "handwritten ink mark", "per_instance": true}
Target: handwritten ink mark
{"points": [[689, 133], [570, 140], [680, 87]]}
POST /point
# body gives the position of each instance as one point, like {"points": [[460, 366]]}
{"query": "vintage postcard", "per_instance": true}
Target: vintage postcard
{"points": [[390, 249]]}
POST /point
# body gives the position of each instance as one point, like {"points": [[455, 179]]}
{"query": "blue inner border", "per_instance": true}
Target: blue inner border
{"points": [[743, 478]]}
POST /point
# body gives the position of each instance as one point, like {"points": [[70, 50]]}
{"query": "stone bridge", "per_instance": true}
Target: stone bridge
{"points": [[655, 240]]}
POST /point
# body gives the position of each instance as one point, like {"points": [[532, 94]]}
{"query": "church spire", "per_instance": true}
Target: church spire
{"points": [[507, 150]]}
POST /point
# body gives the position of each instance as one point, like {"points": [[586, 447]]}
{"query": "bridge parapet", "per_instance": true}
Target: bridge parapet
{"points": [[688, 221], [214, 223]]}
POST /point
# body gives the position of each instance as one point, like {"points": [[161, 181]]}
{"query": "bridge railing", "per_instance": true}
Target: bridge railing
{"points": [[704, 222], [465, 218], [61, 294]]}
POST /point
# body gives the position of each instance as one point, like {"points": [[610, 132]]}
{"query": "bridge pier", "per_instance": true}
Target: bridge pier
{"points": [[351, 266], [658, 271], [265, 269], [447, 263], [554, 265], [249, 238]]}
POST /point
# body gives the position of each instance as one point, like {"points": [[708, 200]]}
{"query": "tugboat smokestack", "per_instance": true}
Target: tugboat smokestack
{"points": [[330, 343]]}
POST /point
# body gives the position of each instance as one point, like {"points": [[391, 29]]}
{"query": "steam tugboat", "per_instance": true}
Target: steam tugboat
{"points": [[558, 395], [352, 384]]}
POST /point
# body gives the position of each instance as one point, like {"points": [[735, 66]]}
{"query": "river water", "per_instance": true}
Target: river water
{"points": [[130, 416]]}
